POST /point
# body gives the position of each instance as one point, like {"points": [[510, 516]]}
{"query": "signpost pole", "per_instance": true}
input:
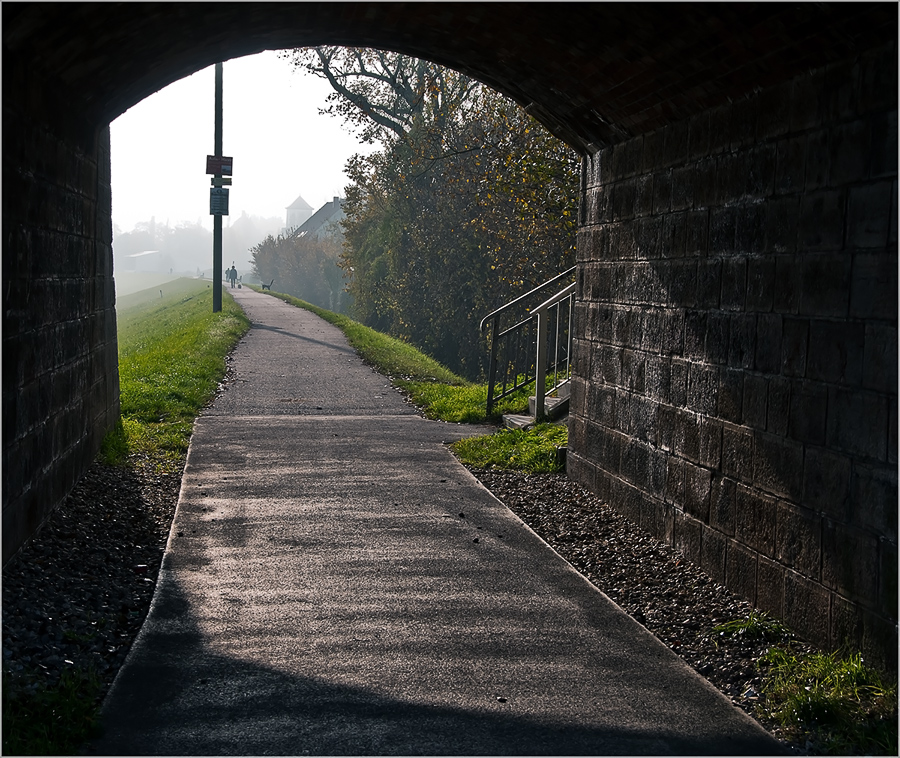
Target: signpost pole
{"points": [[217, 218]]}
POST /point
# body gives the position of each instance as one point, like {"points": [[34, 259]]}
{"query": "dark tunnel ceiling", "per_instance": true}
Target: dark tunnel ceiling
{"points": [[594, 73]]}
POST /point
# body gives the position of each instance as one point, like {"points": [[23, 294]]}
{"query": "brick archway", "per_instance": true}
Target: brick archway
{"points": [[736, 336], [594, 73]]}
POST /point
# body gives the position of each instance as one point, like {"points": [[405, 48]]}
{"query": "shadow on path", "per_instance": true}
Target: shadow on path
{"points": [[339, 584], [288, 333], [178, 697]]}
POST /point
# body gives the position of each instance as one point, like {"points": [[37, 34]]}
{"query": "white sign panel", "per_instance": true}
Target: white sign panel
{"points": [[218, 201]]}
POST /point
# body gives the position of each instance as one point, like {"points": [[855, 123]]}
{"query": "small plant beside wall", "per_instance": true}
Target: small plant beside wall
{"points": [[833, 703], [757, 626], [45, 720], [840, 705]]}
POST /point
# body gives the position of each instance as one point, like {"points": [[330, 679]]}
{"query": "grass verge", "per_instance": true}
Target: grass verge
{"points": [[534, 450], [41, 720], [172, 351], [834, 702]]}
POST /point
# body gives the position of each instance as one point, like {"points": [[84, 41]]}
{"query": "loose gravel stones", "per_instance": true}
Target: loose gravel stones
{"points": [[653, 583], [78, 593]]}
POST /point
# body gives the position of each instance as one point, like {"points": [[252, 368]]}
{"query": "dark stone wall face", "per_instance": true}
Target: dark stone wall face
{"points": [[594, 74], [60, 364], [736, 353]]}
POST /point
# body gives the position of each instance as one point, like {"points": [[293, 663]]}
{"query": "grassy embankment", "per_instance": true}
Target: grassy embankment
{"points": [[172, 350]]}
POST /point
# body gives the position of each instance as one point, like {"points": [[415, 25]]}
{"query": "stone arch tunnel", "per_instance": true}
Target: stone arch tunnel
{"points": [[735, 360]]}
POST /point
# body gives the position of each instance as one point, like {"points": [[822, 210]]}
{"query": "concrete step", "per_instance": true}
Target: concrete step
{"points": [[512, 421], [554, 407]]}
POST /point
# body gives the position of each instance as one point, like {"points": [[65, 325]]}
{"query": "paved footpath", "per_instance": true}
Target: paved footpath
{"points": [[336, 583]]}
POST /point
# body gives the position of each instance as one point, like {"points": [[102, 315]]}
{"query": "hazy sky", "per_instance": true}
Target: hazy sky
{"points": [[281, 146]]}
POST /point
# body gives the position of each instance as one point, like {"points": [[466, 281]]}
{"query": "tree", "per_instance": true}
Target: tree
{"points": [[304, 266], [469, 203], [380, 93]]}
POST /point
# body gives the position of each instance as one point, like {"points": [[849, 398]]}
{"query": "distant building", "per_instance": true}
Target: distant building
{"points": [[146, 261], [324, 221], [297, 213]]}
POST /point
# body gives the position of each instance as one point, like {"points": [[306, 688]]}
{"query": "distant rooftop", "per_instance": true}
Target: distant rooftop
{"points": [[299, 205], [329, 211]]}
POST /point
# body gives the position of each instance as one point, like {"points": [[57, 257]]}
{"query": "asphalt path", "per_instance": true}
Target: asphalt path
{"points": [[336, 583]]}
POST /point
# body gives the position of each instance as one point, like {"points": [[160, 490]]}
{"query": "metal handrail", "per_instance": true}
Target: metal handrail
{"points": [[511, 339], [559, 296], [540, 378], [500, 311]]}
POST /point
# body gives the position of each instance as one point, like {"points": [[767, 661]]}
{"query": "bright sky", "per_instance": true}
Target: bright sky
{"points": [[282, 147]]}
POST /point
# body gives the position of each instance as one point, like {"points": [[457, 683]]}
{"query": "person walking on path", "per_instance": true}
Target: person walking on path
{"points": [[232, 275]]}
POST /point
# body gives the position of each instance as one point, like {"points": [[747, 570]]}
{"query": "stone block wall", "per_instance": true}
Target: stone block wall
{"points": [[735, 366], [60, 365]]}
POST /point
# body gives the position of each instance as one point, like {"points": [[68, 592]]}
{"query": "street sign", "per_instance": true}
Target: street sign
{"points": [[218, 201], [219, 164], [217, 181]]}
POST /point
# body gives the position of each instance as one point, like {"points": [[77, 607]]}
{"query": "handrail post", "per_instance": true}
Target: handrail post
{"points": [[492, 365], [540, 370], [540, 367], [569, 341], [512, 337]]}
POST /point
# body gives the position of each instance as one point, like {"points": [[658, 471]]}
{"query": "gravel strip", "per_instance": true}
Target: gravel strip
{"points": [[652, 582], [78, 593]]}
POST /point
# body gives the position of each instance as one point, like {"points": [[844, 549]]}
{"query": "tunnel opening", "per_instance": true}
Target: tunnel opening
{"points": [[458, 201], [757, 133]]}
